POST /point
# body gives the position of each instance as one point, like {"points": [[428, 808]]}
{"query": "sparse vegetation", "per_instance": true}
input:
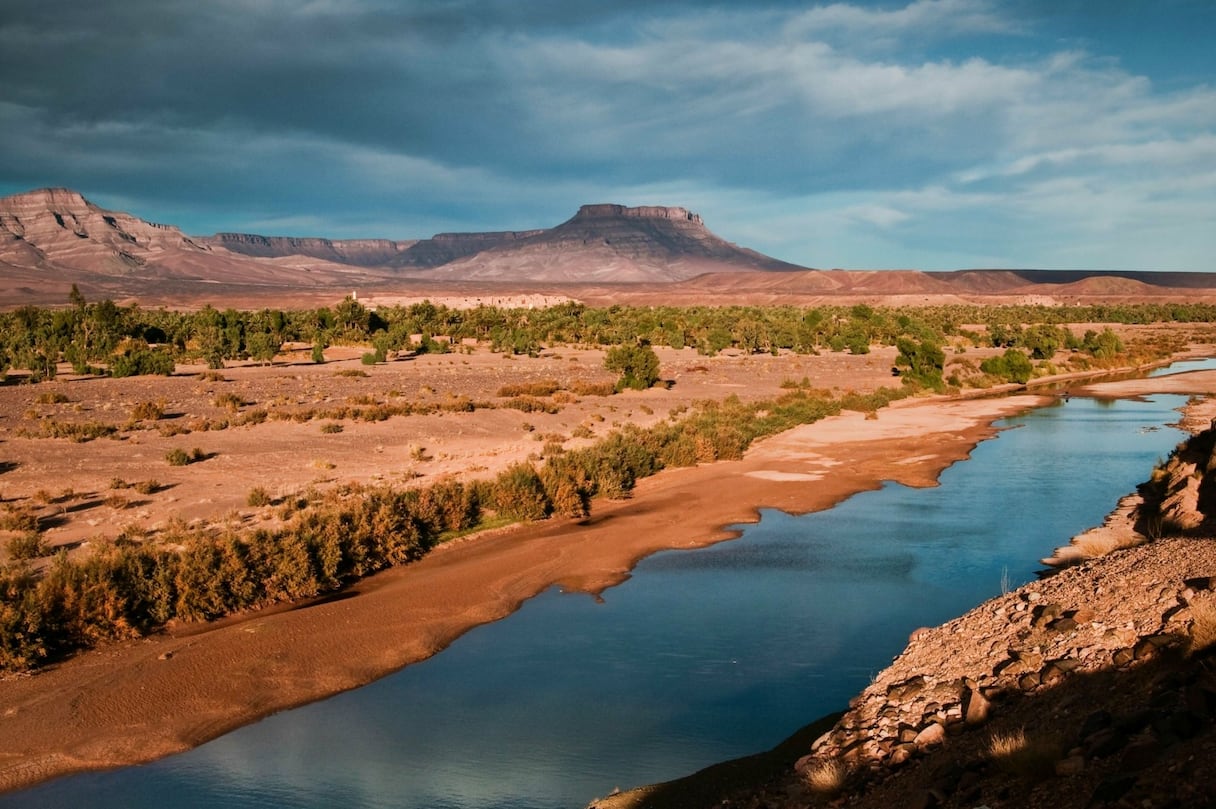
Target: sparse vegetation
{"points": [[148, 411], [179, 457], [27, 545], [228, 401], [257, 497], [546, 387], [145, 487]]}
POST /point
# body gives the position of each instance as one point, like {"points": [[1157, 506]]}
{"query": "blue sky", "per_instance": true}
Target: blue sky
{"points": [[935, 134]]}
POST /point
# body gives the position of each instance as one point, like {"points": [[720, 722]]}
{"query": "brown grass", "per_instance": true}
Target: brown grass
{"points": [[1203, 625], [826, 777], [1015, 752]]}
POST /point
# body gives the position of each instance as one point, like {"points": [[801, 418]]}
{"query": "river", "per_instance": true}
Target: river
{"points": [[701, 656]]}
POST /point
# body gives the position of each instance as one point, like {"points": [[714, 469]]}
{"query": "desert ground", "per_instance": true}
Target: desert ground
{"points": [[139, 700]]}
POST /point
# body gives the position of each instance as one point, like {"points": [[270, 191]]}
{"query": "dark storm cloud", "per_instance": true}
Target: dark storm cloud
{"points": [[875, 124]]}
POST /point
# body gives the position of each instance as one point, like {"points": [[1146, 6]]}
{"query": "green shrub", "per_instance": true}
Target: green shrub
{"points": [[1013, 366], [140, 360], [638, 366], [520, 493]]}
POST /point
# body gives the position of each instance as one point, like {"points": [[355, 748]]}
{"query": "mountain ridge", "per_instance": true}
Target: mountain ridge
{"points": [[52, 238]]}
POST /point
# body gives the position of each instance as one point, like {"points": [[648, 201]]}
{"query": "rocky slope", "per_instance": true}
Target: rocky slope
{"points": [[1094, 687], [59, 225], [53, 237]]}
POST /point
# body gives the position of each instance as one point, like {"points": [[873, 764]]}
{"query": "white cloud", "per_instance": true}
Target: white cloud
{"points": [[923, 18]]}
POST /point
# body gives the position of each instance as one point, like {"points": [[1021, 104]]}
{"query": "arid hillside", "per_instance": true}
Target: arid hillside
{"points": [[604, 254]]}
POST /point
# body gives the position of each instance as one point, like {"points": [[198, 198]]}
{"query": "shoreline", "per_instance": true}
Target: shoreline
{"points": [[135, 702]]}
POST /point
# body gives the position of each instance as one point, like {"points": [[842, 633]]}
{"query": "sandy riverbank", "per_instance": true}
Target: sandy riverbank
{"points": [[142, 700]]}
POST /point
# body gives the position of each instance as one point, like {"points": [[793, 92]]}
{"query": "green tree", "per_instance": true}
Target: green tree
{"points": [[638, 366], [923, 361]]}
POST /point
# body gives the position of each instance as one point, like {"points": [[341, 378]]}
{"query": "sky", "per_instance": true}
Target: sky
{"points": [[934, 134]]}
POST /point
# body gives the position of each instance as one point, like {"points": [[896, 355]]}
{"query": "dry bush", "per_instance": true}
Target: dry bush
{"points": [[148, 411], [229, 401], [118, 502], [544, 387], [18, 519], [52, 397], [1203, 625], [257, 497], [150, 486], [331, 427], [826, 777], [27, 545], [355, 373], [1018, 754], [593, 388], [211, 376]]}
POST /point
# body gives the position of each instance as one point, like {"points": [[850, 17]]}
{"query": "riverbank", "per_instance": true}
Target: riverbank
{"points": [[138, 701], [1093, 676]]}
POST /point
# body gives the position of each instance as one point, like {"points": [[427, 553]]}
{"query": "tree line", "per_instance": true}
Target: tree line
{"points": [[104, 338]]}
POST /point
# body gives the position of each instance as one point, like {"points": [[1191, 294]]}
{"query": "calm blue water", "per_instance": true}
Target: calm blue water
{"points": [[701, 656]]}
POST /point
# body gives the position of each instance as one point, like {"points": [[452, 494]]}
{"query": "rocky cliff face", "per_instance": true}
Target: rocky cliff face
{"points": [[54, 237], [356, 252], [444, 248], [60, 226]]}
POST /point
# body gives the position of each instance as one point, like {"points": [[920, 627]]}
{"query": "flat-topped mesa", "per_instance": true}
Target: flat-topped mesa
{"points": [[639, 212], [357, 252]]}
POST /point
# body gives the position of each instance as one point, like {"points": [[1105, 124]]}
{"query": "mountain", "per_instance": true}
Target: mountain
{"points": [[53, 237], [613, 244], [601, 244]]}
